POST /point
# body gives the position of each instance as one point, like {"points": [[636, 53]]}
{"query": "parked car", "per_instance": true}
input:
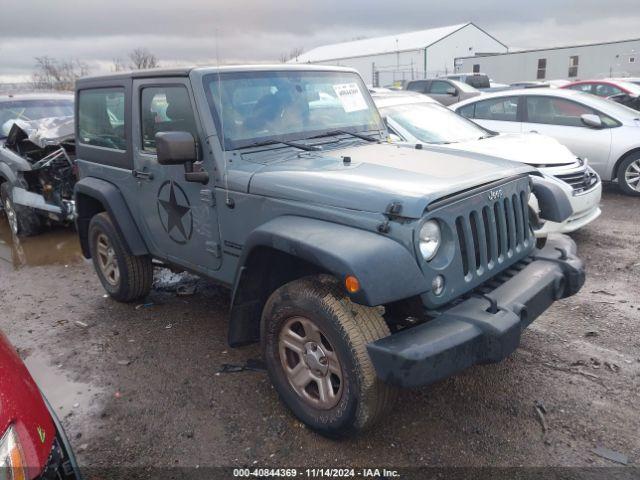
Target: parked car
{"points": [[397, 85], [595, 129], [278, 182], [417, 119], [33, 444], [626, 93], [443, 90], [606, 87], [37, 154], [634, 80], [476, 80]]}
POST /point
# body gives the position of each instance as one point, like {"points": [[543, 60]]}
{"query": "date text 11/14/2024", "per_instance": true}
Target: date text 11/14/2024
{"points": [[316, 472]]}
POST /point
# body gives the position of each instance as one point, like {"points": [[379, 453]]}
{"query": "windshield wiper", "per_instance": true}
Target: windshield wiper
{"points": [[489, 135], [346, 132], [308, 148]]}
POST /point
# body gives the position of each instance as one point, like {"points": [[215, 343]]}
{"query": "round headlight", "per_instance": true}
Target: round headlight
{"points": [[429, 240]]}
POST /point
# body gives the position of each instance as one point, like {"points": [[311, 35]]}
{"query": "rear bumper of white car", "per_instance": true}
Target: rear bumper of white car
{"points": [[586, 208]]}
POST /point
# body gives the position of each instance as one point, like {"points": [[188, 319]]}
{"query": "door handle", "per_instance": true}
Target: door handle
{"points": [[533, 131], [142, 175]]}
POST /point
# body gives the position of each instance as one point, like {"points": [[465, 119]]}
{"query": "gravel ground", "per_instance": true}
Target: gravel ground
{"points": [[141, 384]]}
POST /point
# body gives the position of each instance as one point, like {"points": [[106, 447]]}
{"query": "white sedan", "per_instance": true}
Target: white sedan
{"points": [[418, 120], [602, 131]]}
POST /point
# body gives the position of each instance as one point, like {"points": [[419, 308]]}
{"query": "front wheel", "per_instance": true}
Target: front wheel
{"points": [[23, 221], [629, 175], [125, 277], [314, 344]]}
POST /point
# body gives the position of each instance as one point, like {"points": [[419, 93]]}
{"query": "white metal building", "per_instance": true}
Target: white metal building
{"points": [[579, 62], [406, 56]]}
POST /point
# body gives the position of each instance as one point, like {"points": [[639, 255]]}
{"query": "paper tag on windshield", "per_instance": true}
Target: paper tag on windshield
{"points": [[350, 97]]}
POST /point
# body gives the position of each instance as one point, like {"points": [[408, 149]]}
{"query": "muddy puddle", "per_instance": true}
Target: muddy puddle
{"points": [[56, 246], [65, 396]]}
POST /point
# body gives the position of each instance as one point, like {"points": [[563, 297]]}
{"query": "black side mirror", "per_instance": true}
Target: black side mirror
{"points": [[179, 148], [175, 148]]}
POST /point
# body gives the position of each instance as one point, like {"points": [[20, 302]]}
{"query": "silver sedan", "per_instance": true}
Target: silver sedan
{"points": [[603, 132]]}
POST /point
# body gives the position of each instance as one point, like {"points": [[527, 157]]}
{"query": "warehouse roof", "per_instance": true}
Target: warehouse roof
{"points": [[379, 45]]}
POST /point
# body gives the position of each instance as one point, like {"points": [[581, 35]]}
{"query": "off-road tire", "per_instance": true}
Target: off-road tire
{"points": [[622, 169], [348, 327], [28, 222], [135, 272]]}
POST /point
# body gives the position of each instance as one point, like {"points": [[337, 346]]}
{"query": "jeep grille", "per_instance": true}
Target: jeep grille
{"points": [[490, 235], [490, 232]]}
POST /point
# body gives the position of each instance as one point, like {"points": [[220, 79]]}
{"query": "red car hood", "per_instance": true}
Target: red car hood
{"points": [[22, 405]]}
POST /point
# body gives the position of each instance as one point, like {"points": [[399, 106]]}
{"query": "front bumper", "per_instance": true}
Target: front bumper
{"points": [[484, 328], [66, 212]]}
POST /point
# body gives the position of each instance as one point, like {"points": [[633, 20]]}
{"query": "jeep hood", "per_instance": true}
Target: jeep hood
{"points": [[379, 174], [529, 148]]}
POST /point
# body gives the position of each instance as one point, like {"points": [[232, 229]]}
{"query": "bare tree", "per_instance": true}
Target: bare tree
{"points": [[118, 65], [53, 74], [293, 54], [141, 59]]}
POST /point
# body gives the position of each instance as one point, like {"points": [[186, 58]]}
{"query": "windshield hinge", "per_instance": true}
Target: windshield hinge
{"points": [[394, 209]]}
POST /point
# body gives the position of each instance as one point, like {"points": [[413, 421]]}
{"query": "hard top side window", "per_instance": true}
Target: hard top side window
{"points": [[502, 109], [101, 118], [438, 87], [559, 111], [165, 109]]}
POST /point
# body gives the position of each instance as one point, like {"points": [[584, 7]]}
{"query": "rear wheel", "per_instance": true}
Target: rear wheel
{"points": [[629, 175], [314, 344], [23, 221], [125, 277]]}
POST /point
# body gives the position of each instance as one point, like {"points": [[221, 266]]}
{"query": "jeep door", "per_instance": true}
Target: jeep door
{"points": [[560, 118], [179, 218]]}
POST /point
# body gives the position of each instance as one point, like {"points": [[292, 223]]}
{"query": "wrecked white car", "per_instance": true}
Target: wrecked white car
{"points": [[37, 161]]}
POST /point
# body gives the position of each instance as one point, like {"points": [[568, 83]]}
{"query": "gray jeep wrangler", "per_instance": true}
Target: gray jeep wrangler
{"points": [[360, 266]]}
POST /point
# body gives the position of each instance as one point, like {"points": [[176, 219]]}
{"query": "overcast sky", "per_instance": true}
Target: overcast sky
{"points": [[184, 31]]}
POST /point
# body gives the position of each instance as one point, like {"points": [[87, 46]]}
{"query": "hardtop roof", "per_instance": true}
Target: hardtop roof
{"points": [[186, 71]]}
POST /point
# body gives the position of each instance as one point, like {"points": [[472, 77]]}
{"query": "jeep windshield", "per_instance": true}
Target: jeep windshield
{"points": [[265, 107], [12, 111], [433, 123]]}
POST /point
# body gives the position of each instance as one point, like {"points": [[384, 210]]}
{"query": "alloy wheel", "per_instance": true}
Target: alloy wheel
{"points": [[107, 260], [310, 363], [632, 175]]}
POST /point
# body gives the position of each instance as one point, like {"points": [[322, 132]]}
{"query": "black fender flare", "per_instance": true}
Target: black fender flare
{"points": [[112, 201], [553, 202], [386, 270]]}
